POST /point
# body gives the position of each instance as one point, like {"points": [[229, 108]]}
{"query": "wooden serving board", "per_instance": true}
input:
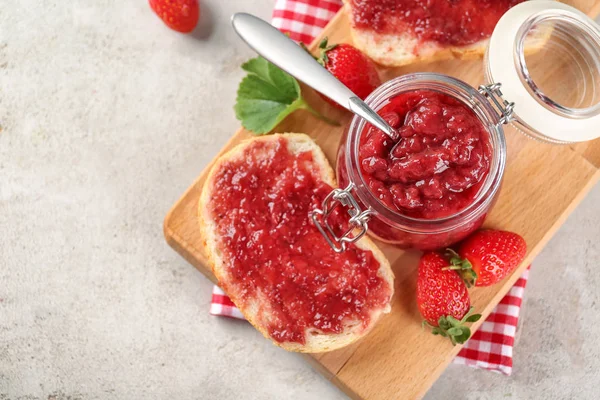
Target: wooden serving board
{"points": [[397, 360]]}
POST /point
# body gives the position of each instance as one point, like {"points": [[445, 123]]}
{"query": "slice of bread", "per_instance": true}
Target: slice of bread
{"points": [[396, 50], [257, 308]]}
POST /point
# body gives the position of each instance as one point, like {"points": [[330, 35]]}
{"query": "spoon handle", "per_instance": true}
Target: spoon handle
{"points": [[279, 49]]}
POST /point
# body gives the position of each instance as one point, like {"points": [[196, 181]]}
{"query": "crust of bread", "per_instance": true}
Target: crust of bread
{"points": [[392, 50], [316, 341]]}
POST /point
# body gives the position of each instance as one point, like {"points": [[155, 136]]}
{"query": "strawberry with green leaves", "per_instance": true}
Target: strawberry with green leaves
{"points": [[351, 67], [488, 256], [443, 299]]}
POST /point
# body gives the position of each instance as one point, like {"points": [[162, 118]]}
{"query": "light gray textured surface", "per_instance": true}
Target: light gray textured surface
{"points": [[106, 117]]}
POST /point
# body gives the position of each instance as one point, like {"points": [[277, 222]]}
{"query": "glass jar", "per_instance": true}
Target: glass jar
{"points": [[567, 110], [390, 225], [546, 55]]}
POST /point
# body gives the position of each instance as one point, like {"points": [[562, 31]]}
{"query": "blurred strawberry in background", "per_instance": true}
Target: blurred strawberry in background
{"points": [[179, 15]]}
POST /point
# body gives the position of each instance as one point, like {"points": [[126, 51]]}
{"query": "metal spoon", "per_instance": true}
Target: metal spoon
{"points": [[287, 55]]}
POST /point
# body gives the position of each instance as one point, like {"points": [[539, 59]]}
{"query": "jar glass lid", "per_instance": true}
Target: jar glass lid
{"points": [[546, 56]]}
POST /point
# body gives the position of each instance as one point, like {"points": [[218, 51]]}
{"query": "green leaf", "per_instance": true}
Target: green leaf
{"points": [[258, 66], [443, 323], [474, 318], [466, 334], [452, 255], [469, 276], [453, 321], [462, 265], [468, 314], [455, 331], [266, 96], [456, 262], [278, 85]]}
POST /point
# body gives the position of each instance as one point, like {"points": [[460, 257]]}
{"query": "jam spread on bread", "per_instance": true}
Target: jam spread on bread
{"points": [[447, 22], [271, 249], [440, 162]]}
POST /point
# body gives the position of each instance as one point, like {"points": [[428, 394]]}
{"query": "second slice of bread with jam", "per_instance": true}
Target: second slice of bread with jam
{"points": [[405, 46]]}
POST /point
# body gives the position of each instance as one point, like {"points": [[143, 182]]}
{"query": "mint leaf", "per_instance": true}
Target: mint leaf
{"points": [[266, 96]]}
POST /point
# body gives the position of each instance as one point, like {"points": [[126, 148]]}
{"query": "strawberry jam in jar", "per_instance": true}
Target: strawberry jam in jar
{"points": [[436, 184], [440, 162]]}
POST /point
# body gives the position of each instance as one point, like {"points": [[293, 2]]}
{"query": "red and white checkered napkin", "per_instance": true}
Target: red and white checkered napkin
{"points": [[492, 345]]}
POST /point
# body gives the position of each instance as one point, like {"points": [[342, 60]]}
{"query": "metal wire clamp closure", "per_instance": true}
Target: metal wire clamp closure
{"points": [[504, 107], [357, 223]]}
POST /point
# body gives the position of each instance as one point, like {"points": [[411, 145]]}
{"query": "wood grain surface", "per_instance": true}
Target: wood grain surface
{"points": [[397, 360]]}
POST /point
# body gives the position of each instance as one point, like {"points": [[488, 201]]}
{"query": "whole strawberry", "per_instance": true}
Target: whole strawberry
{"points": [[443, 299], [488, 256], [179, 15], [351, 67]]}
